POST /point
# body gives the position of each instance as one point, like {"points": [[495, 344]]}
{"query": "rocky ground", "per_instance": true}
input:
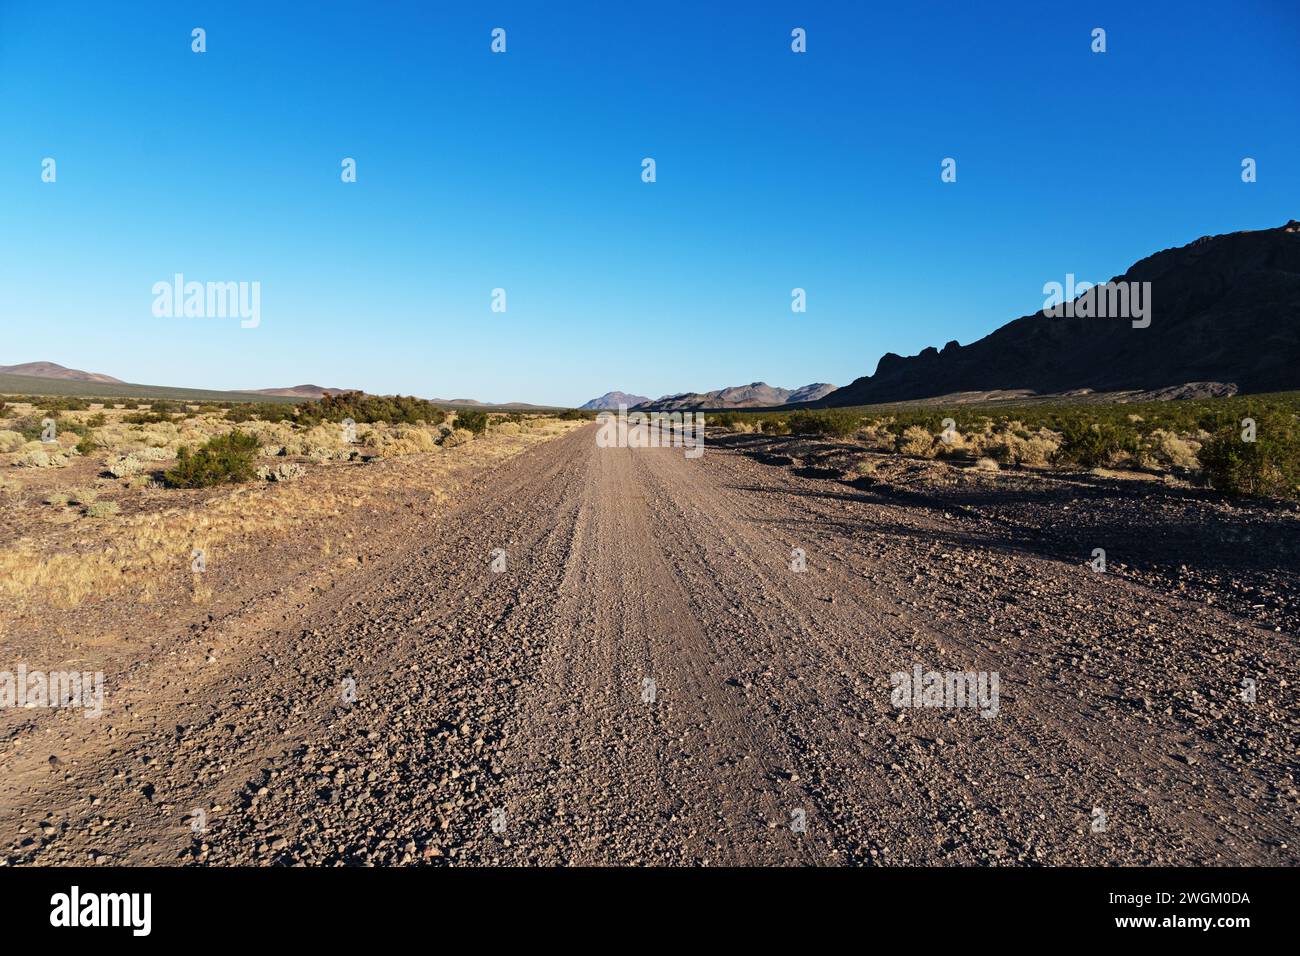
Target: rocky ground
{"points": [[650, 680]]}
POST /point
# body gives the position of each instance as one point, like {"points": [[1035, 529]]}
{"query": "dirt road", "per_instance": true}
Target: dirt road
{"points": [[649, 680]]}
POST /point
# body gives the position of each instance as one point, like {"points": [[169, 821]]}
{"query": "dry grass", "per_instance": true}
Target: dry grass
{"points": [[146, 534]]}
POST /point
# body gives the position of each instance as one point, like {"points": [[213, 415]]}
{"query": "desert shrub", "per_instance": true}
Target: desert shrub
{"points": [[1013, 444], [125, 466], [577, 415], [832, 422], [288, 471], [986, 464], [222, 458], [83, 496], [57, 498], [775, 426], [53, 406], [1095, 444], [262, 411], [395, 409], [472, 420], [876, 436], [41, 458], [1268, 466], [11, 441], [458, 436], [724, 419], [1168, 449], [409, 440], [103, 509], [916, 441], [146, 418], [30, 427]]}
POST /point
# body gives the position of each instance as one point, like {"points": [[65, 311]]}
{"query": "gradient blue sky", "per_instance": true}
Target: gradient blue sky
{"points": [[522, 171]]}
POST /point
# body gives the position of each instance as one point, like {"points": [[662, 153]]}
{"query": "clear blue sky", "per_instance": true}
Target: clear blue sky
{"points": [[522, 171]]}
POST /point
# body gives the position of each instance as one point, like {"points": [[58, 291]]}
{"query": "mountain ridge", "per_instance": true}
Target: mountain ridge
{"points": [[1224, 309]]}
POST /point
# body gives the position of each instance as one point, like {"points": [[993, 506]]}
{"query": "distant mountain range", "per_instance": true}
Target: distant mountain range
{"points": [[1225, 316], [755, 395], [31, 375]]}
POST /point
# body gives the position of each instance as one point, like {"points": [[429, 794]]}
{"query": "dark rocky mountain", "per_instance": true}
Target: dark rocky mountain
{"points": [[1224, 309]]}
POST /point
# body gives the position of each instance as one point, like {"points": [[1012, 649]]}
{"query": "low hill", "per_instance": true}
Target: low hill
{"points": [[54, 370], [613, 400]]}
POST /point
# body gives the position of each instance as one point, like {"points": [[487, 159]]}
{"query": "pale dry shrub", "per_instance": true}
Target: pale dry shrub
{"points": [[987, 464], [1169, 450], [83, 496], [11, 442], [40, 458], [876, 436], [413, 440], [917, 442], [1007, 444], [103, 509], [458, 436], [322, 442], [161, 435], [126, 466], [288, 471], [958, 444]]}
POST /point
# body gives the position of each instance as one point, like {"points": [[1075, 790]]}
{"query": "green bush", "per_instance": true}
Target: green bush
{"points": [[472, 420], [224, 458], [264, 411], [1096, 444], [832, 422], [30, 427], [725, 419], [394, 409], [53, 406], [1268, 466]]}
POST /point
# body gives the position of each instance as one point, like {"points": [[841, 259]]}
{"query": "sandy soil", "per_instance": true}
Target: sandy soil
{"points": [[507, 716]]}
